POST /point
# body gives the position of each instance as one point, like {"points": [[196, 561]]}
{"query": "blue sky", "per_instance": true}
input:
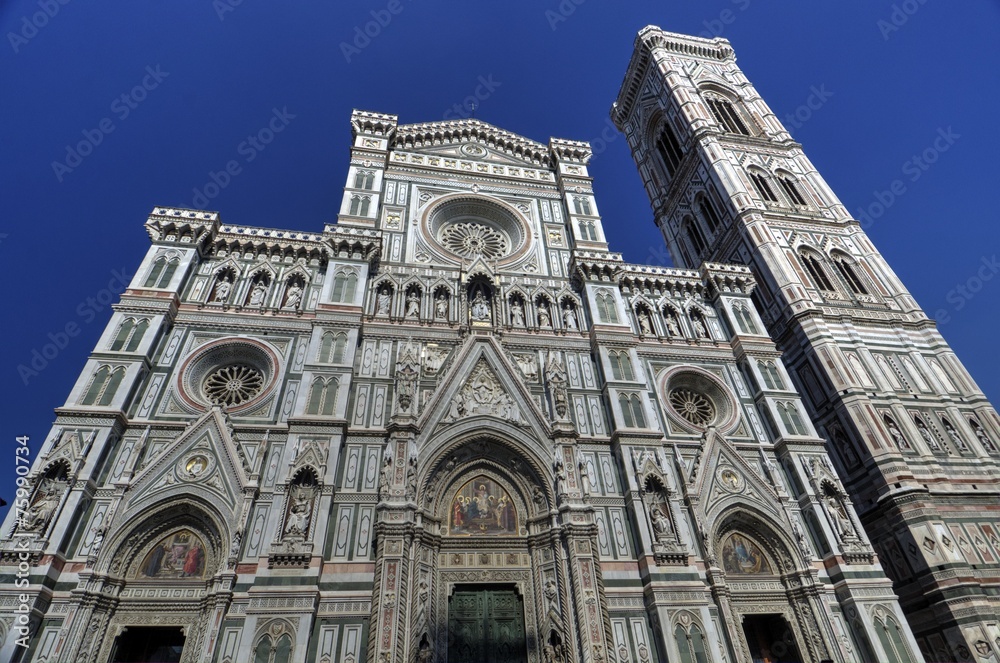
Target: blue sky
{"points": [[199, 77]]}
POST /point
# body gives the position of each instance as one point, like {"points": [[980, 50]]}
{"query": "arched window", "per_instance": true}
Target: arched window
{"points": [[621, 365], [130, 335], [726, 115], [891, 640], [763, 187], [769, 372], [607, 310], [690, 644], [104, 385], [690, 228], [814, 266], [669, 149], [322, 397], [744, 320], [268, 651], [360, 205], [364, 179], [791, 189], [845, 267], [344, 285], [791, 418], [632, 414], [582, 206], [707, 211], [161, 272], [332, 347], [587, 230]]}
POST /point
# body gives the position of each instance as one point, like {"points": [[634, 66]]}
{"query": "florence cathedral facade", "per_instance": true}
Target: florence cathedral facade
{"points": [[455, 426]]}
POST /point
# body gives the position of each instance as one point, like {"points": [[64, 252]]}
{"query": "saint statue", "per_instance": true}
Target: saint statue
{"points": [[441, 307], [480, 308], [293, 296], [222, 290], [413, 305], [382, 303], [257, 294], [645, 324], [544, 320], [516, 313], [569, 318]]}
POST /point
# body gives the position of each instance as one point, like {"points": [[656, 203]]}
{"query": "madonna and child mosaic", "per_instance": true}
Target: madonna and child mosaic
{"points": [[742, 556], [179, 555], [482, 507]]}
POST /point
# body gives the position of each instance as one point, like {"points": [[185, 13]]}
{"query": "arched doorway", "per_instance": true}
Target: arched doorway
{"points": [[771, 600]]}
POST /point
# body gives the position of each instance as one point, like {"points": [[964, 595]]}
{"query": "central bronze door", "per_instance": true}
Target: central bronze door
{"points": [[486, 625]]}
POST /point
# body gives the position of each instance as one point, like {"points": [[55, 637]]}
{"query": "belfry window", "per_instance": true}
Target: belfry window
{"points": [[707, 211], [791, 189], [763, 186], [726, 115], [360, 205], [364, 179], [690, 228], [607, 310], [816, 271], [669, 149], [344, 284], [846, 269], [582, 206], [322, 397]]}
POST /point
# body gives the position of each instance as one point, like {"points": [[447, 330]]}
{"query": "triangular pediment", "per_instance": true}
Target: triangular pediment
{"points": [[725, 477], [482, 382], [204, 460], [472, 139]]}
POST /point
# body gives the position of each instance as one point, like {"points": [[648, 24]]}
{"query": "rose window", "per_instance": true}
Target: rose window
{"points": [[471, 240], [233, 385], [692, 406]]}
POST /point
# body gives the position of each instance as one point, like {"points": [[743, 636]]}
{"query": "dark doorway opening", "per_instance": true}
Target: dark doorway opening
{"points": [[486, 625], [770, 639], [149, 645]]}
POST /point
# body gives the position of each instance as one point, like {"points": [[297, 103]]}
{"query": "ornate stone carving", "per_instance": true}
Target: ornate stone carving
{"points": [[483, 394], [555, 375]]}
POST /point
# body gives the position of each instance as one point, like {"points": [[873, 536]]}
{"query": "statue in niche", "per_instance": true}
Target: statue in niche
{"points": [[955, 437], [441, 307], [841, 521], [413, 305], [661, 524], [382, 302], [926, 434], [584, 476], [36, 518], [411, 479], [544, 319], [434, 359], [222, 289], [983, 438], [645, 324], [569, 318], [556, 376], [560, 476], [672, 327], [480, 307], [258, 293], [527, 365], [425, 653], [700, 331], [300, 500], [897, 435], [383, 477], [293, 296], [516, 313]]}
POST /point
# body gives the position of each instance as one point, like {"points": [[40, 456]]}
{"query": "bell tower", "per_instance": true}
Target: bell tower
{"points": [[914, 438]]}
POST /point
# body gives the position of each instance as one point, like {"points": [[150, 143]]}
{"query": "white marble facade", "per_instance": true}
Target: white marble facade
{"points": [[302, 446]]}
